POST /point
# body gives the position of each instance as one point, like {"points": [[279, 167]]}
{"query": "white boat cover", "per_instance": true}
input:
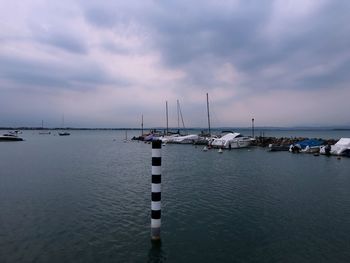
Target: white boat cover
{"points": [[186, 139], [168, 138], [342, 145], [225, 140]]}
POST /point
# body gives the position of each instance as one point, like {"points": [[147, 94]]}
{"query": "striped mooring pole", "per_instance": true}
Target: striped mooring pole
{"points": [[156, 189]]}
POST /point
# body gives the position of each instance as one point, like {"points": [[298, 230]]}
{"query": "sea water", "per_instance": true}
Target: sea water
{"points": [[86, 198]]}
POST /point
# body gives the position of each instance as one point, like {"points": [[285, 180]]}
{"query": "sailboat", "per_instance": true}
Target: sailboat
{"points": [[63, 133], [142, 136], [166, 137], [206, 138], [42, 128], [209, 132], [176, 137], [182, 139], [179, 113]]}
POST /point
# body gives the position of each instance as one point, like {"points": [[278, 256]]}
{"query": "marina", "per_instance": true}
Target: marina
{"points": [[112, 150], [87, 198]]}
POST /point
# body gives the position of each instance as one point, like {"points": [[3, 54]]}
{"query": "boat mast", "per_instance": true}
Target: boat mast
{"points": [[178, 116], [142, 125], [208, 114], [42, 124], [167, 124], [182, 119], [63, 121]]}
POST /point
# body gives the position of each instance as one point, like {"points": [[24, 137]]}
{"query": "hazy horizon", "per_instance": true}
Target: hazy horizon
{"points": [[186, 128]]}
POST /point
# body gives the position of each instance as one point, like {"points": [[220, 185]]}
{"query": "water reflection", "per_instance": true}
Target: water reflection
{"points": [[156, 254]]}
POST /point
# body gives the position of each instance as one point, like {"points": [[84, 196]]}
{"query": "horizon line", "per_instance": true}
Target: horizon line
{"points": [[328, 127]]}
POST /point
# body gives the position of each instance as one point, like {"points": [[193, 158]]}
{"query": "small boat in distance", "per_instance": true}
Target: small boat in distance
{"points": [[64, 133], [43, 132], [11, 136]]}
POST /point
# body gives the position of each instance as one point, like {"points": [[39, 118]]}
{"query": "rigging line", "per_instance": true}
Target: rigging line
{"points": [[178, 116], [182, 119]]}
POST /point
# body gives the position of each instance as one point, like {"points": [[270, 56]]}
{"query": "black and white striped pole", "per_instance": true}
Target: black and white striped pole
{"points": [[156, 189]]}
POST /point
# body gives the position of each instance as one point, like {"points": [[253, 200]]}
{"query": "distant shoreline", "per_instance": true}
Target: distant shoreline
{"points": [[194, 128]]}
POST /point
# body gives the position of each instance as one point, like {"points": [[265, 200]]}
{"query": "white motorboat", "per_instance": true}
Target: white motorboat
{"points": [[63, 133], [231, 141], [342, 147], [10, 137]]}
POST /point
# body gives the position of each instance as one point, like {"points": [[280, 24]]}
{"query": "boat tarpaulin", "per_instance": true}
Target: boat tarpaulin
{"points": [[310, 142]]}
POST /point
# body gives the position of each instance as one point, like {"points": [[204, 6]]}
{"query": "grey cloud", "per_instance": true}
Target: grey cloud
{"points": [[115, 48], [187, 35], [199, 31], [26, 73], [114, 13], [68, 43], [339, 76], [60, 36], [199, 38], [101, 17]]}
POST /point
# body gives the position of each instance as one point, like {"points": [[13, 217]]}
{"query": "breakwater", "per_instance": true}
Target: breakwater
{"points": [[285, 141]]}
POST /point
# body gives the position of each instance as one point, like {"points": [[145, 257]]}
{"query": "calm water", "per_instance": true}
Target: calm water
{"points": [[86, 198]]}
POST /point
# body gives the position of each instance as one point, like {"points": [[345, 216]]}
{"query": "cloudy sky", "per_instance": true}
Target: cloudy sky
{"points": [[104, 63]]}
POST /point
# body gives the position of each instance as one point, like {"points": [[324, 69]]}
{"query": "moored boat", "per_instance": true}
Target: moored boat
{"points": [[341, 148], [44, 132], [231, 141], [63, 133], [186, 139], [278, 148], [307, 146], [10, 137], [168, 138]]}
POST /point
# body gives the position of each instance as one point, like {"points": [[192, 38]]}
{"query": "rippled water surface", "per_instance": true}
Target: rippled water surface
{"points": [[86, 198]]}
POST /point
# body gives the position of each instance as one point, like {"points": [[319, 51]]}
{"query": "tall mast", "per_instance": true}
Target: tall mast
{"points": [[167, 124], [178, 116], [208, 113], [142, 125], [42, 124], [182, 119]]}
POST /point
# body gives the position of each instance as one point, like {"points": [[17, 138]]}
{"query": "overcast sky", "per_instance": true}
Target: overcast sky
{"points": [[104, 63]]}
